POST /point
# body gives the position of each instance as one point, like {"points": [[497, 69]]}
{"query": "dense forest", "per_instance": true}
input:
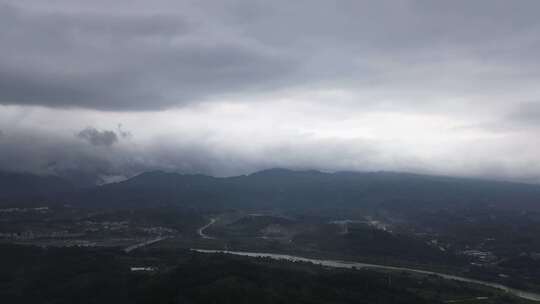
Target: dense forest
{"points": [[279, 188], [77, 275]]}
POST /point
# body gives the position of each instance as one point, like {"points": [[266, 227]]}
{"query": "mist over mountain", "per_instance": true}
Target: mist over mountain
{"points": [[230, 88], [287, 189]]}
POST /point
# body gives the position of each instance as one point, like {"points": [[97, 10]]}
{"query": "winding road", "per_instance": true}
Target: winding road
{"points": [[201, 230], [346, 264], [145, 243]]}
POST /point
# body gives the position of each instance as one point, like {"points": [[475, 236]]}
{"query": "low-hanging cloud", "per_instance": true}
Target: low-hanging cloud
{"points": [[98, 138], [235, 86]]}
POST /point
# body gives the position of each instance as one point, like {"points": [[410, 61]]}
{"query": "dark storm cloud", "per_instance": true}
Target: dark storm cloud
{"points": [[98, 138], [104, 60], [144, 57], [228, 86]]}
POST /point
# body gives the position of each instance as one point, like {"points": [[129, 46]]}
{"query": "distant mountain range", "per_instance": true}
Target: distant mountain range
{"points": [[15, 186], [281, 188]]}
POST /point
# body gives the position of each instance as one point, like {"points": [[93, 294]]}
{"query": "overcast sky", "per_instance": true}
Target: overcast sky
{"points": [[112, 88]]}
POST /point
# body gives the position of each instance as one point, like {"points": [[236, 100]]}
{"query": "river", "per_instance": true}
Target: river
{"points": [[346, 264]]}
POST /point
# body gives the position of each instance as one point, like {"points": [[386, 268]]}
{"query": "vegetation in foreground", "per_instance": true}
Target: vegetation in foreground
{"points": [[76, 275]]}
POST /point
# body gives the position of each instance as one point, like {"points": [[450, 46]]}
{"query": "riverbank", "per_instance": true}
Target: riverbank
{"points": [[356, 265]]}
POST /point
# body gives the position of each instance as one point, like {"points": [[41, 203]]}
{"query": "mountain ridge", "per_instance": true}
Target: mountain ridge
{"points": [[283, 188], [280, 188]]}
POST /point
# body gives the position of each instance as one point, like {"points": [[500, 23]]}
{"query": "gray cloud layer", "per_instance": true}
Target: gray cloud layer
{"points": [[426, 86], [142, 57], [113, 61]]}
